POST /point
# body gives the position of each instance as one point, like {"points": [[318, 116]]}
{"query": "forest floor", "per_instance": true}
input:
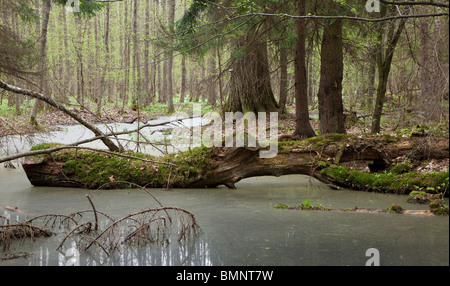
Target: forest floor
{"points": [[49, 119], [12, 124]]}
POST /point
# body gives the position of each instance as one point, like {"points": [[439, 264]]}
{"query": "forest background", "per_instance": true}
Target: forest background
{"points": [[155, 57]]}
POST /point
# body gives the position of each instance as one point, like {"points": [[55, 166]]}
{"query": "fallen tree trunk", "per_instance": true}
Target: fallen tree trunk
{"points": [[206, 168]]}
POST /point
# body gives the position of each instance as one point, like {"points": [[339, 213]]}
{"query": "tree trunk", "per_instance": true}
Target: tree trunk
{"points": [[384, 61], [68, 73], [250, 87], [283, 80], [371, 79], [212, 85], [163, 80], [146, 81], [103, 89], [183, 72], [43, 87], [331, 109], [183, 79], [170, 89], [302, 125], [127, 57], [136, 61], [79, 52]]}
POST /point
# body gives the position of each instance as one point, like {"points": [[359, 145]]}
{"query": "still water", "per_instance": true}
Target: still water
{"points": [[241, 227], [238, 227]]}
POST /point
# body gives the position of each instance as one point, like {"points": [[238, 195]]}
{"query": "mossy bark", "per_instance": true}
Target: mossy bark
{"points": [[318, 157]]}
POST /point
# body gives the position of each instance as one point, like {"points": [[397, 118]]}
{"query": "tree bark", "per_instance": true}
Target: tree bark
{"points": [[183, 71], [170, 89], [371, 80], [384, 61], [250, 87], [136, 61], [127, 54], [331, 109], [183, 79], [283, 81], [146, 81], [212, 85], [302, 124], [46, 7]]}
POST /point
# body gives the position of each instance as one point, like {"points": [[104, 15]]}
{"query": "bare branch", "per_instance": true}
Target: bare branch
{"points": [[59, 148], [111, 146], [415, 3], [99, 137], [95, 212]]}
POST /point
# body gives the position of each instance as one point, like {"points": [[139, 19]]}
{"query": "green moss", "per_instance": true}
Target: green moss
{"points": [[388, 182], [306, 205], [395, 208], [388, 138], [44, 146], [286, 146], [439, 208], [318, 142], [422, 197], [401, 168], [323, 141], [95, 169], [281, 206]]}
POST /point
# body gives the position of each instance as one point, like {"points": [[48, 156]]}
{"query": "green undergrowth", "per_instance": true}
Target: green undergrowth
{"points": [[320, 142], [44, 146], [388, 182], [94, 169]]}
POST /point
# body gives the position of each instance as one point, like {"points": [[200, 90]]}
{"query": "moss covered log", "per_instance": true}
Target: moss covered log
{"points": [[320, 157]]}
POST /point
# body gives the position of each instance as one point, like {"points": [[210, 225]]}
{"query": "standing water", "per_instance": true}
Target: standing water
{"points": [[238, 227]]}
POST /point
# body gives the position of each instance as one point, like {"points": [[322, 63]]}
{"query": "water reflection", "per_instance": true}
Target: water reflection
{"points": [[194, 253]]}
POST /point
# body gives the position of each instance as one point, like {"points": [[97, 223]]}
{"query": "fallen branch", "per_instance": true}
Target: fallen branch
{"points": [[11, 256], [100, 137], [111, 146], [10, 232], [95, 212], [59, 148]]}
